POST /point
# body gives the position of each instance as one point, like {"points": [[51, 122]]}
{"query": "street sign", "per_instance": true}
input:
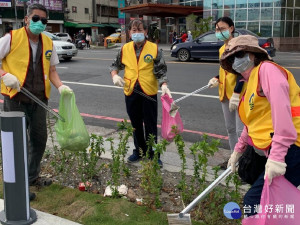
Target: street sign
{"points": [[5, 3]]}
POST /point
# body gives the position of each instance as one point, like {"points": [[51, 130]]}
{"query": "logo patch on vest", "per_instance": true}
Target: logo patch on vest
{"points": [[251, 102], [48, 54], [148, 58]]}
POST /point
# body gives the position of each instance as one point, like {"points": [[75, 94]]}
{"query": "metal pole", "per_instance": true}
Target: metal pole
{"points": [[16, 14], [17, 210]]}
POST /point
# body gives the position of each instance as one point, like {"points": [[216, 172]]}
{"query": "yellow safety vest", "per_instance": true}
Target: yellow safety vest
{"points": [[227, 81], [140, 70], [18, 60], [255, 110]]}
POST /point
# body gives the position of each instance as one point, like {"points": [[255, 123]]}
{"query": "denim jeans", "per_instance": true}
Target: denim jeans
{"points": [[292, 159], [36, 132]]}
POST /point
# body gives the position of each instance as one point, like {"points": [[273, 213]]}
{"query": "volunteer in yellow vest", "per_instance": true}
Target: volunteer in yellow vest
{"points": [[230, 86], [270, 110], [145, 71], [28, 60]]}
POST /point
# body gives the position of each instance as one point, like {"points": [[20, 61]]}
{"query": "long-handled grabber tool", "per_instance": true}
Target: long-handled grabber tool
{"points": [[174, 107], [183, 218], [42, 104]]}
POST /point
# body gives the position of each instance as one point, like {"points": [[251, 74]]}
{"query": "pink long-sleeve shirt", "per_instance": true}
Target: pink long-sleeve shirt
{"points": [[276, 89]]}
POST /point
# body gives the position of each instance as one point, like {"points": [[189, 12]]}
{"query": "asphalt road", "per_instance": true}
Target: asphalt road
{"points": [[88, 75]]}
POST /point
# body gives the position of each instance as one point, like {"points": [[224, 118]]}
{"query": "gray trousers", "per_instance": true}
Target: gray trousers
{"points": [[233, 124], [36, 132]]}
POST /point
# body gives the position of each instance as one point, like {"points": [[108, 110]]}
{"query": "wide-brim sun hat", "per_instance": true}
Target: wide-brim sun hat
{"points": [[247, 43]]}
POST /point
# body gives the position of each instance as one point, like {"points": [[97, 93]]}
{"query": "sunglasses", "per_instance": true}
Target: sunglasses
{"points": [[240, 54], [36, 18]]}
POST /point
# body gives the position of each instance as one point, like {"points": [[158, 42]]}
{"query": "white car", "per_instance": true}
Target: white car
{"points": [[64, 36], [65, 50]]}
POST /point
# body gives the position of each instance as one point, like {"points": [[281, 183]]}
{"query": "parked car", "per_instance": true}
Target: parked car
{"points": [[65, 50], [64, 36], [114, 38], [206, 46]]}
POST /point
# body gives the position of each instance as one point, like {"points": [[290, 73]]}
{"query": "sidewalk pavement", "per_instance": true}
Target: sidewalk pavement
{"points": [[45, 218]]}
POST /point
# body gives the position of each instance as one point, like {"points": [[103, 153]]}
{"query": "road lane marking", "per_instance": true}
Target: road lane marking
{"points": [[112, 86], [62, 67]]}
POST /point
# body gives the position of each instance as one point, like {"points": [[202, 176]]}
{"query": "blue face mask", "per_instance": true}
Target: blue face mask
{"points": [[37, 27], [223, 36], [138, 37]]}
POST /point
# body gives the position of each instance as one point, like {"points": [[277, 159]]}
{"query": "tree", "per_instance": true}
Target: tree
{"points": [[198, 28]]}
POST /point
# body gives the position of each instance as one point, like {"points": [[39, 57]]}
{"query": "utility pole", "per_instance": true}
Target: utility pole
{"points": [[16, 14]]}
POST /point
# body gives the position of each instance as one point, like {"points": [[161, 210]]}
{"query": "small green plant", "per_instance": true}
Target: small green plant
{"points": [[151, 180]]}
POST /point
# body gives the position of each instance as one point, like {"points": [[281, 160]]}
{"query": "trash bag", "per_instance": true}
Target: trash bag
{"points": [[168, 122], [280, 204], [72, 134]]}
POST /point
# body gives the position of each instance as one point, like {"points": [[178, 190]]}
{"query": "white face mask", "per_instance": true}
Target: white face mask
{"points": [[240, 65]]}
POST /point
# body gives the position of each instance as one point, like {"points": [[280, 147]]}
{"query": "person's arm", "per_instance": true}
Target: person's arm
{"points": [[54, 78], [275, 86], [117, 65], [243, 141], [239, 84], [4, 49], [160, 68]]}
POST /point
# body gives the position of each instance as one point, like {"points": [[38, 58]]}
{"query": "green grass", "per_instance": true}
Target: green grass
{"points": [[93, 209]]}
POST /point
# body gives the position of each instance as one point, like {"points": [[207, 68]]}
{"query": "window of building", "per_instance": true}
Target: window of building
{"points": [[289, 29], [253, 14], [290, 3], [241, 15], [278, 29], [279, 3], [289, 14], [229, 13], [296, 29], [241, 4], [241, 25], [253, 4], [297, 3], [266, 29], [86, 10], [266, 14], [266, 3], [74, 9], [279, 13], [229, 4], [297, 14], [253, 26]]}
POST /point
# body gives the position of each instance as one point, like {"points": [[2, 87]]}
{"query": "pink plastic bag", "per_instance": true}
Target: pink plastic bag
{"points": [[168, 121], [284, 198]]}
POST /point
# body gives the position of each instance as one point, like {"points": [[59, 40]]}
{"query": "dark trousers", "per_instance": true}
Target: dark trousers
{"points": [[143, 115], [36, 130], [292, 159]]}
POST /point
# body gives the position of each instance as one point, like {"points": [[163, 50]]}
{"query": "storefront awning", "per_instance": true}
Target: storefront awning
{"points": [[89, 25], [162, 10]]}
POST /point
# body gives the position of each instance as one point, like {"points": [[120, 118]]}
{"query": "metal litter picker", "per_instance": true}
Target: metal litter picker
{"points": [[42, 104], [183, 218], [174, 107]]}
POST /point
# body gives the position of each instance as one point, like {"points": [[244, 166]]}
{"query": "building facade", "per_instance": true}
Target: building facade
{"points": [[12, 15]]}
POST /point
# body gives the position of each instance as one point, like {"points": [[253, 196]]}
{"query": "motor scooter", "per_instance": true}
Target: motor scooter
{"points": [[81, 44]]}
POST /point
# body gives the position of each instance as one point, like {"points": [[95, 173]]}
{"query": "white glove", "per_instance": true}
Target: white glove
{"points": [[11, 81], [165, 90], [233, 160], [274, 169], [64, 87], [213, 82], [118, 81], [234, 102]]}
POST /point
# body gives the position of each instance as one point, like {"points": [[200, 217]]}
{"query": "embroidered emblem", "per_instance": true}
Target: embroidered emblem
{"points": [[48, 54], [148, 58], [251, 102]]}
